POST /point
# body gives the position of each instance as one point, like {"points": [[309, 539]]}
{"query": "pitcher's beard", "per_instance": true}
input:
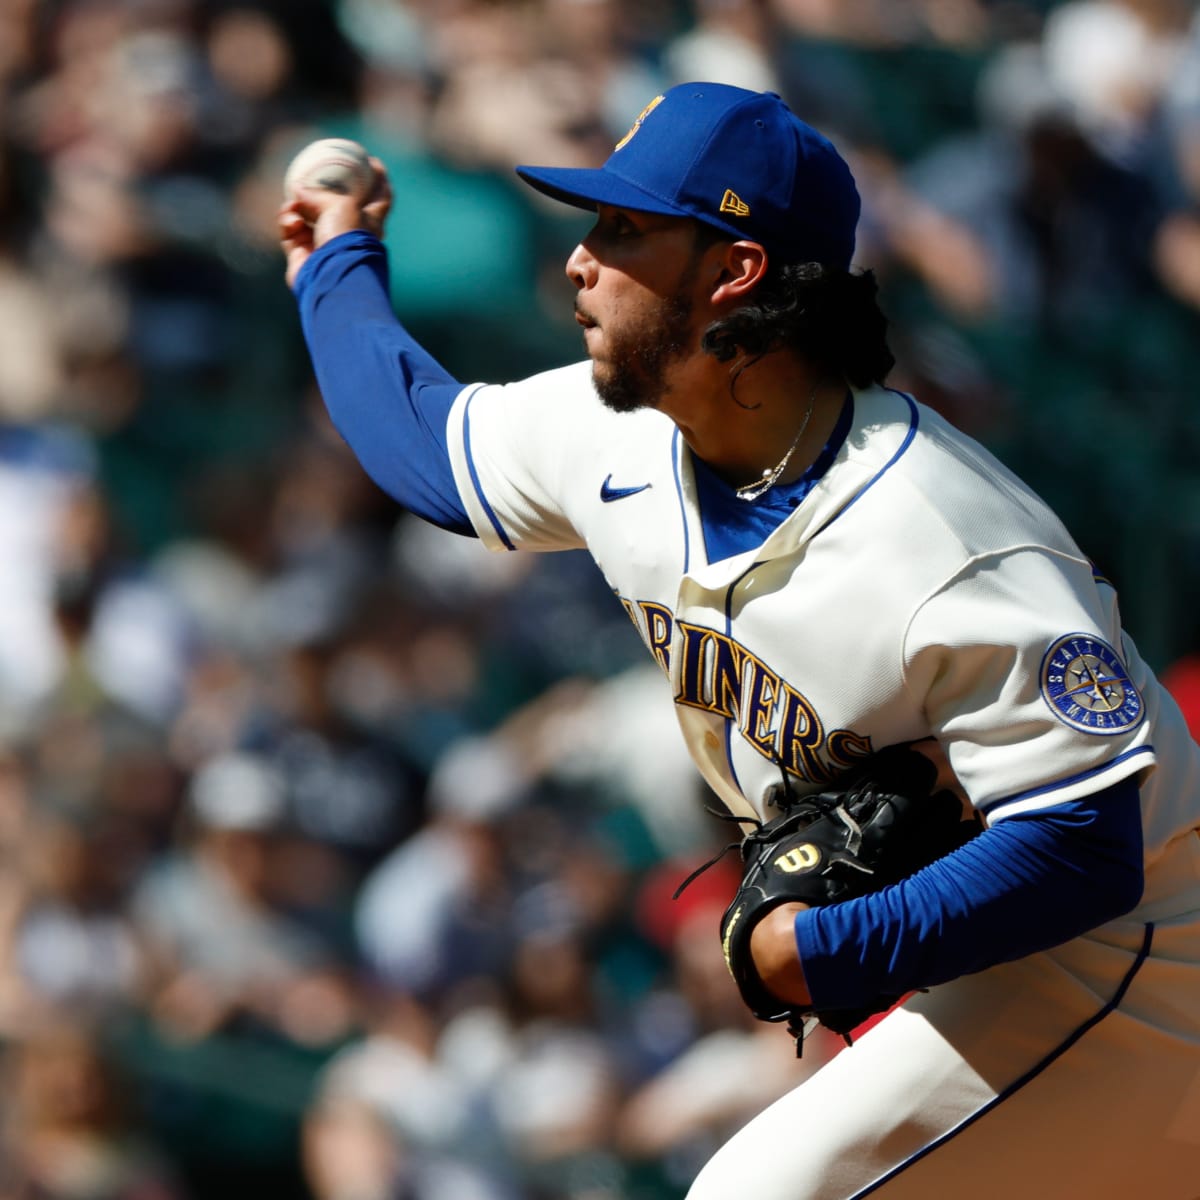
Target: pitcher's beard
{"points": [[634, 373]]}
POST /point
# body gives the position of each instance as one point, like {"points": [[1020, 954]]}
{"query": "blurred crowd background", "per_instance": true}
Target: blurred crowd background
{"points": [[337, 855]]}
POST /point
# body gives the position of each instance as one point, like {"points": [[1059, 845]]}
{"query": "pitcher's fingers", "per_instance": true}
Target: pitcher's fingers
{"points": [[379, 203], [292, 225]]}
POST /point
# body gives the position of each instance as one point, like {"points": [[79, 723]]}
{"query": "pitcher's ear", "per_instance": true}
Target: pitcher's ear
{"points": [[738, 270]]}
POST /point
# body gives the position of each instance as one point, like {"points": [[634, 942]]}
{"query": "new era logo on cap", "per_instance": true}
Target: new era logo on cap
{"points": [[731, 202], [739, 160]]}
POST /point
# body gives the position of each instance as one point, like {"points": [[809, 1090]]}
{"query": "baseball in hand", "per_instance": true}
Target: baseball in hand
{"points": [[332, 165]]}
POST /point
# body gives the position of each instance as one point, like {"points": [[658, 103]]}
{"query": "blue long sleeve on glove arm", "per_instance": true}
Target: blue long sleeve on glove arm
{"points": [[1025, 884]]}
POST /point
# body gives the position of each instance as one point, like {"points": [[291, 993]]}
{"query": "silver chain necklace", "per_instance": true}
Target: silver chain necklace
{"points": [[770, 477]]}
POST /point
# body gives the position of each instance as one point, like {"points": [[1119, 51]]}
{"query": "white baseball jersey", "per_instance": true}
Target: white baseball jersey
{"points": [[920, 589]]}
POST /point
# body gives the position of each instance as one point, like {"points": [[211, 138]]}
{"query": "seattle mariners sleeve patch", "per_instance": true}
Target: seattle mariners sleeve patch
{"points": [[1087, 686]]}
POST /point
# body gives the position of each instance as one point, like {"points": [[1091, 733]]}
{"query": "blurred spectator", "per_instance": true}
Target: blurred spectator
{"points": [[1041, 228], [39, 470], [435, 911], [1177, 166], [227, 954], [69, 944], [390, 1117], [732, 40], [96, 634], [69, 1129]]}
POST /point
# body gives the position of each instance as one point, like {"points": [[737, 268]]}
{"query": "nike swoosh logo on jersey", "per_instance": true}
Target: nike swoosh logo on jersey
{"points": [[608, 493]]}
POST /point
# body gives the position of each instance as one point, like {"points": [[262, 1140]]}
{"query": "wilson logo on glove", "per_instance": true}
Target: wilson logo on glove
{"points": [[798, 858]]}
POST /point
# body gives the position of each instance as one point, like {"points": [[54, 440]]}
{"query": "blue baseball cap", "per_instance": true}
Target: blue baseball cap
{"points": [[738, 160]]}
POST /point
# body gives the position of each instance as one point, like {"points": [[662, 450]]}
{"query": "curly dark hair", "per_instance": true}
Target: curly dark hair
{"points": [[827, 315]]}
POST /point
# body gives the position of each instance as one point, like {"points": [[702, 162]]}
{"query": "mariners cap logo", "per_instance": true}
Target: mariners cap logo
{"points": [[731, 202], [640, 118], [1085, 683]]}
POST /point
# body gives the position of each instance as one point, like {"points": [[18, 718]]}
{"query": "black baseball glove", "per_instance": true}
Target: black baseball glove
{"points": [[884, 824]]}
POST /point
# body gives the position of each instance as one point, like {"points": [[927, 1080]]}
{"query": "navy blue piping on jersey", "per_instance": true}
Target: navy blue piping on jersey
{"points": [[676, 468], [731, 725], [913, 422], [475, 481], [1058, 785], [1029, 1076]]}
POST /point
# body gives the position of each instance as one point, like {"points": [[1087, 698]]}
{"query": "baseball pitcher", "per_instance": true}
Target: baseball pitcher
{"points": [[841, 588]]}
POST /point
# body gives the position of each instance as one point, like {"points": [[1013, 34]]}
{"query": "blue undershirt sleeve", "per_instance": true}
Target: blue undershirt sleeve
{"points": [[1025, 884], [387, 396]]}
